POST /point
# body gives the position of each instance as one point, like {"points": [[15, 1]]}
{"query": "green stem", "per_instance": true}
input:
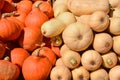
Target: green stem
{"points": [[101, 78], [73, 61], [109, 62]]}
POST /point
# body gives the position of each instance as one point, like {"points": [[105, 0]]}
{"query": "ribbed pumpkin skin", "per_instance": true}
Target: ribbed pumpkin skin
{"points": [[9, 30], [8, 70]]}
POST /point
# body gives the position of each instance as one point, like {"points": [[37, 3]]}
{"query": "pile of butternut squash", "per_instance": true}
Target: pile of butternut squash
{"points": [[59, 39], [90, 32]]}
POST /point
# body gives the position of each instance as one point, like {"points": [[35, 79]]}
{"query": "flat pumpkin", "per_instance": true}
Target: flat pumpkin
{"points": [[9, 30]]}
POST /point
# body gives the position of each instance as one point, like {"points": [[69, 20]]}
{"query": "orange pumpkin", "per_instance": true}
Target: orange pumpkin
{"points": [[30, 38], [8, 70], [9, 30], [35, 18], [46, 7], [18, 55], [36, 67], [46, 51]]}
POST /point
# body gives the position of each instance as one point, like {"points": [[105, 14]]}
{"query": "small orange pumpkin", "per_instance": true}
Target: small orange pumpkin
{"points": [[18, 55], [8, 70], [9, 30], [38, 18], [36, 67]]}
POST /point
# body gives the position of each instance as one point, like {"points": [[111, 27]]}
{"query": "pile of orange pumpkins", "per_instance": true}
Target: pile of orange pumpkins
{"points": [[21, 40]]}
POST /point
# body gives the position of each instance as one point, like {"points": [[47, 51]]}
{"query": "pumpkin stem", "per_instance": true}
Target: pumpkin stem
{"points": [[6, 15], [7, 58], [101, 78], [15, 13], [14, 4], [42, 44], [73, 61], [37, 52], [57, 41], [37, 3]]}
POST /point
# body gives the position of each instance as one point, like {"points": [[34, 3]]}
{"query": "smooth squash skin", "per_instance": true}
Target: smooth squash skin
{"points": [[80, 73], [80, 7], [100, 74], [114, 3], [114, 73], [79, 34]]}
